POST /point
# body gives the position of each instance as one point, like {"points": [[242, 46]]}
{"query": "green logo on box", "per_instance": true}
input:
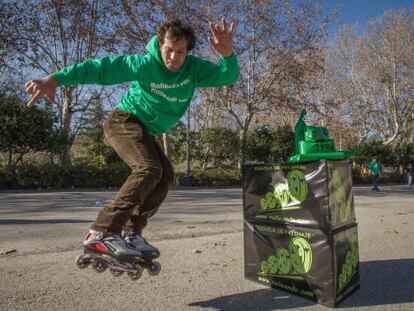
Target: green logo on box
{"points": [[298, 255], [298, 188], [342, 203], [349, 267], [301, 255], [286, 195]]}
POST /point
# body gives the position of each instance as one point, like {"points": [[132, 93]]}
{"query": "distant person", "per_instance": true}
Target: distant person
{"points": [[409, 172], [375, 170]]}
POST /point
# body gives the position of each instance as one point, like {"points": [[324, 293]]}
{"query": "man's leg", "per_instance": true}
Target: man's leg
{"points": [[137, 149], [141, 213], [376, 180]]}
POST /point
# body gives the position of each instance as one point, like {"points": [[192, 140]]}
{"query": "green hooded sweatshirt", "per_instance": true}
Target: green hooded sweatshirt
{"points": [[157, 97], [375, 168]]}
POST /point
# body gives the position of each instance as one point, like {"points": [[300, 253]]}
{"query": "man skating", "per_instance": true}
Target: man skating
{"points": [[163, 83]]}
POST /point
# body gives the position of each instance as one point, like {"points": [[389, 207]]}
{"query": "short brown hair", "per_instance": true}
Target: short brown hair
{"points": [[176, 30]]}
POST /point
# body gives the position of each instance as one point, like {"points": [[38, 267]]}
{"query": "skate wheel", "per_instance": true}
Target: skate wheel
{"points": [[136, 274], [116, 272], [154, 268], [80, 263], [99, 267]]}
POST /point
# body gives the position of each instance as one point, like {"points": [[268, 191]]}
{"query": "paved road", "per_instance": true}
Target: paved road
{"points": [[199, 232]]}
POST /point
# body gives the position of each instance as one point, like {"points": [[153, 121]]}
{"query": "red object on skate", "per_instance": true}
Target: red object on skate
{"points": [[100, 247]]}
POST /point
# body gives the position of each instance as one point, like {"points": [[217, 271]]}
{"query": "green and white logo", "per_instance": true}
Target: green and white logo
{"points": [[281, 194], [301, 255], [298, 188], [348, 268], [298, 256], [343, 206], [283, 260], [286, 195]]}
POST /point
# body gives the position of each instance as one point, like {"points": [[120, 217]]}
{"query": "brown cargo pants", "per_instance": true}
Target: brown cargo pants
{"points": [[147, 185]]}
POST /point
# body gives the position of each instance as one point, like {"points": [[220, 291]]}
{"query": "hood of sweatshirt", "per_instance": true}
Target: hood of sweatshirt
{"points": [[153, 49]]}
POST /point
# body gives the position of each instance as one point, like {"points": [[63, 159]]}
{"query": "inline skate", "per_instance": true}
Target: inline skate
{"points": [[104, 250]]}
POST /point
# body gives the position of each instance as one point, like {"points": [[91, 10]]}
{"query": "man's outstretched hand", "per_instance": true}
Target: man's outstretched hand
{"points": [[222, 37], [39, 88]]}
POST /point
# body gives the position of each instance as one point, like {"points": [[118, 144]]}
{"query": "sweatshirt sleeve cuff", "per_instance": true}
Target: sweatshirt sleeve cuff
{"points": [[59, 77]]}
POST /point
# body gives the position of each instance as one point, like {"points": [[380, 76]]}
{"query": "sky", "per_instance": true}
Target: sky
{"points": [[360, 11]]}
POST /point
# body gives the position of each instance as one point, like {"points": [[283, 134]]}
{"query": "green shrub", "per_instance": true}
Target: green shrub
{"points": [[217, 177], [385, 178], [359, 178], [29, 176], [58, 176]]}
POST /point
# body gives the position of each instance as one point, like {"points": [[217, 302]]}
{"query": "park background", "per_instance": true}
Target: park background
{"points": [[355, 79]]}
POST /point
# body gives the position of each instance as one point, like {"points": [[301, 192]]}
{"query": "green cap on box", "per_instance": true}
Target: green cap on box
{"points": [[313, 143]]}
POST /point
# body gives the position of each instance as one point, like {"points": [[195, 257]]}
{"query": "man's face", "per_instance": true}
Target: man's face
{"points": [[173, 52]]}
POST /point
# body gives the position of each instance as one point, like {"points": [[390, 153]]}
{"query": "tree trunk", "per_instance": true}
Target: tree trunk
{"points": [[203, 165], [9, 161], [11, 167], [188, 146], [67, 119], [166, 143], [242, 145]]}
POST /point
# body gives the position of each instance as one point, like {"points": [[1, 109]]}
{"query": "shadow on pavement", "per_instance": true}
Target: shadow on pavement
{"points": [[262, 299], [41, 221], [382, 283]]}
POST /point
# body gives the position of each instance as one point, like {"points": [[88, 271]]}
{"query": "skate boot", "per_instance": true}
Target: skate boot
{"points": [[106, 250], [148, 251]]}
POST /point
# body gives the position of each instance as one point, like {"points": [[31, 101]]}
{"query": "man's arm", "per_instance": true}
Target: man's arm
{"points": [[227, 72], [105, 71], [211, 75]]}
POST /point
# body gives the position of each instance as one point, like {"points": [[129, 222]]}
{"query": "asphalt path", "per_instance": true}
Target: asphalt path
{"points": [[199, 233]]}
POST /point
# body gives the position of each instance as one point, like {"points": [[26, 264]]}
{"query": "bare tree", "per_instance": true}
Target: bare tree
{"points": [[371, 77], [280, 51], [50, 35]]}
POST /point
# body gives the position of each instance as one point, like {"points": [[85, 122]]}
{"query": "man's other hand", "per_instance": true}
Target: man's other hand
{"points": [[41, 87]]}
